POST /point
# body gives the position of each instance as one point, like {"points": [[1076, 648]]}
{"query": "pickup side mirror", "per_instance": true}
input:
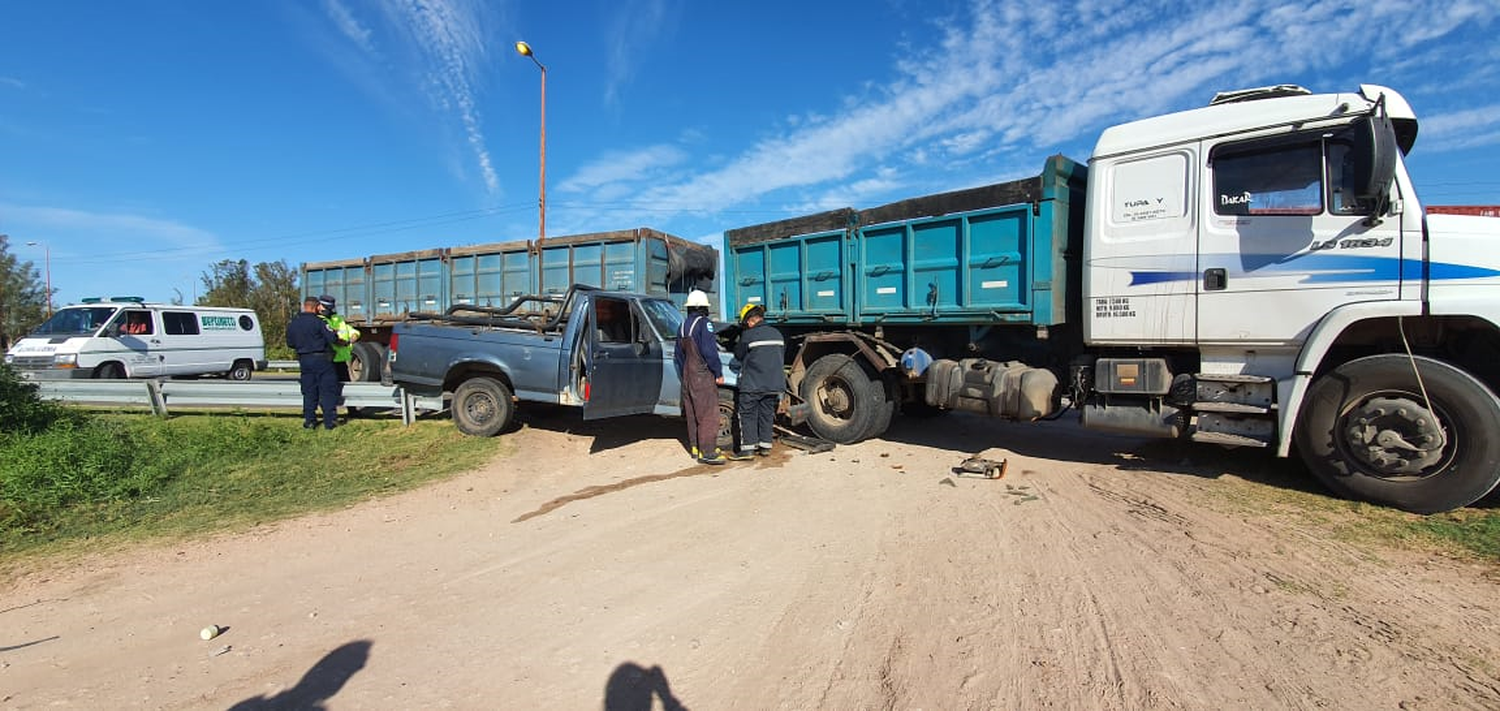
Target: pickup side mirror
{"points": [[112, 330]]}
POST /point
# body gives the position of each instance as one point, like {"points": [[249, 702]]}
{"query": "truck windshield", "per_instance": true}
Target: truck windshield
{"points": [[663, 316], [75, 322]]}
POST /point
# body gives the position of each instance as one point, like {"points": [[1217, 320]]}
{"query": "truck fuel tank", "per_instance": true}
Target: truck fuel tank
{"points": [[1012, 390]]}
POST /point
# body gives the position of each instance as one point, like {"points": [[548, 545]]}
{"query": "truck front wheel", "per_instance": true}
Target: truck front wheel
{"points": [[1369, 431], [845, 400], [482, 407]]}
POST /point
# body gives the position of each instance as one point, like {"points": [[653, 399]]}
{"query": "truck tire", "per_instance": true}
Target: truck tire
{"points": [[364, 362], [482, 407], [1367, 432], [240, 371], [109, 371], [844, 399], [885, 410]]}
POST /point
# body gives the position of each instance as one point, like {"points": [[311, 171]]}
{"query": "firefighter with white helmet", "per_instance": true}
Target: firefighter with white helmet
{"points": [[761, 352], [700, 372]]}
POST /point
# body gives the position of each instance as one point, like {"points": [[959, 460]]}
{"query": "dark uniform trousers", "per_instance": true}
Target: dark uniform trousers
{"points": [[320, 389]]}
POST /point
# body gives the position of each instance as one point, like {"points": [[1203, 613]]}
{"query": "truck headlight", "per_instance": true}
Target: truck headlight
{"points": [[65, 360], [9, 359]]}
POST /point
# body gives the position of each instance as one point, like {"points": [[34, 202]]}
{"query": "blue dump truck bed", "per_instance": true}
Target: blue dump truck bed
{"points": [[386, 288], [1003, 253]]}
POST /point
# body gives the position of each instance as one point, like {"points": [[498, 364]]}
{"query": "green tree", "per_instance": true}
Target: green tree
{"points": [[268, 287], [23, 296]]}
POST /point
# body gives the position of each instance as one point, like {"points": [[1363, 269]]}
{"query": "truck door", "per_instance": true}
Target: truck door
{"points": [[623, 360], [1283, 240]]}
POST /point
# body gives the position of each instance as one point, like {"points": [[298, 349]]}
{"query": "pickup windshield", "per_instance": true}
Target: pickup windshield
{"points": [[75, 322], [663, 316]]}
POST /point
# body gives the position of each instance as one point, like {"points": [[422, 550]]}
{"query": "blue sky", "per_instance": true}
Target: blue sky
{"points": [[140, 142]]}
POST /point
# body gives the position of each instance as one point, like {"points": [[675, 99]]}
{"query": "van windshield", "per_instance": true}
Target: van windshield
{"points": [[75, 322]]}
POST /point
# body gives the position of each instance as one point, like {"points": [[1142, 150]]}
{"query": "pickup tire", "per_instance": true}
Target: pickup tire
{"points": [[483, 407], [729, 431], [241, 370], [845, 401], [1368, 431]]}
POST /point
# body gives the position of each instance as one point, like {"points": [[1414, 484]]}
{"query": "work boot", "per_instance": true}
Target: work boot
{"points": [[743, 456], [714, 458]]}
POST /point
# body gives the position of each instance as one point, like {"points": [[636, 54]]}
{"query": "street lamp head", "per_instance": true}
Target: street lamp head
{"points": [[523, 49]]}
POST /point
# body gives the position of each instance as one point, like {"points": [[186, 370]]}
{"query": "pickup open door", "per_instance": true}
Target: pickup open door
{"points": [[623, 360]]}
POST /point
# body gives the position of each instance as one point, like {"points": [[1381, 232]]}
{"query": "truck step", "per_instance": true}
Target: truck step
{"points": [[1232, 378], [1231, 440], [1235, 408]]}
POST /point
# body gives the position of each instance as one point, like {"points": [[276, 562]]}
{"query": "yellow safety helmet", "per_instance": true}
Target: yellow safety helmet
{"points": [[748, 309]]}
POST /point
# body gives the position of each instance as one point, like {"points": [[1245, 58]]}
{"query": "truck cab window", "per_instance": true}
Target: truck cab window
{"points": [[613, 320], [1282, 179]]}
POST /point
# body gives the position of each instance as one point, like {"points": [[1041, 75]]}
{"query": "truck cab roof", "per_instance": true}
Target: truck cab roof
{"points": [[1255, 109]]}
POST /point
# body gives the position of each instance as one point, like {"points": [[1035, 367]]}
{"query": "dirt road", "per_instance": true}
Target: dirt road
{"points": [[598, 568]]}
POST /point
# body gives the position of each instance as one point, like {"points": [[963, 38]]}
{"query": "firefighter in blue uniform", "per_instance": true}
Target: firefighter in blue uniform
{"points": [[761, 352], [313, 342]]}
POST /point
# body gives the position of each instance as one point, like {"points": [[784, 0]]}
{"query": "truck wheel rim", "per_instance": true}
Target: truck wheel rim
{"points": [[1395, 436]]}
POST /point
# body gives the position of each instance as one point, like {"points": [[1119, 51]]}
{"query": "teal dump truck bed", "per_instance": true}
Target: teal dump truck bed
{"points": [[1003, 253], [385, 288]]}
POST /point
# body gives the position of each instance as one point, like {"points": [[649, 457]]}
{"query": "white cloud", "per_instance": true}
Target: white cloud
{"points": [[635, 26], [440, 46], [618, 167], [1467, 128], [12, 82]]}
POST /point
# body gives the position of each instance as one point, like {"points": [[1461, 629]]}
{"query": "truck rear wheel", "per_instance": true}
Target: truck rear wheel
{"points": [[482, 407], [364, 362], [845, 401], [1368, 432]]}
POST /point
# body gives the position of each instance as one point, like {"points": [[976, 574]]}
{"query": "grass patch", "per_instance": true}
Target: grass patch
{"points": [[1472, 532], [113, 479]]}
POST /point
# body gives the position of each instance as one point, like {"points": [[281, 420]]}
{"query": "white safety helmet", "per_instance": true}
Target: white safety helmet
{"points": [[697, 298]]}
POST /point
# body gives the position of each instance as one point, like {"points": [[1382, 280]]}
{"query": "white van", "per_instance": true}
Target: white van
{"points": [[124, 337]]}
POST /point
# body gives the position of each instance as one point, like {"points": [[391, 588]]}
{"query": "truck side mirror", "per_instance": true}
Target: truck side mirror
{"points": [[112, 330], [1373, 159]]}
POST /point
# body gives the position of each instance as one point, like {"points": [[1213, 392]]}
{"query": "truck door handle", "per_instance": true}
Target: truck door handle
{"points": [[1216, 279]]}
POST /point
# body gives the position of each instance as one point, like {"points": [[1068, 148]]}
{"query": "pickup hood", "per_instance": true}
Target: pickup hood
{"points": [[29, 347]]}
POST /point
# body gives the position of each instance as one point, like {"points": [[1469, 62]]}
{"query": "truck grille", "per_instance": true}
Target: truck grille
{"points": [[32, 362]]}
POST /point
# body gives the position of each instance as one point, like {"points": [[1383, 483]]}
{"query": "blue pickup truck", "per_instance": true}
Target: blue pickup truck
{"points": [[607, 352]]}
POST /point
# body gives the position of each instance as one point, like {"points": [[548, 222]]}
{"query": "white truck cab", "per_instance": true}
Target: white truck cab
{"points": [[125, 337], [1270, 258]]}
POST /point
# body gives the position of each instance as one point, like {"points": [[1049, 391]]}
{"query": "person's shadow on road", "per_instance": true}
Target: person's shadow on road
{"points": [[631, 687], [319, 684]]}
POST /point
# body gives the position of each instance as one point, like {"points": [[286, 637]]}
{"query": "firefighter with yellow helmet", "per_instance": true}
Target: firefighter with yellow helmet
{"points": [[761, 352]]}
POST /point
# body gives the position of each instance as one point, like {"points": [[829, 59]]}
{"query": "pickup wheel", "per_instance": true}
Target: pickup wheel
{"points": [[729, 431], [241, 370], [1368, 431], [845, 402], [482, 407]]}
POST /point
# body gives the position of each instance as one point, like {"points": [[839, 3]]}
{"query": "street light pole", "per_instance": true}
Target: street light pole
{"points": [[541, 231], [46, 260]]}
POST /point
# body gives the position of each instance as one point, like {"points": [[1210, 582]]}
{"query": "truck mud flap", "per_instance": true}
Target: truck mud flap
{"points": [[811, 445]]}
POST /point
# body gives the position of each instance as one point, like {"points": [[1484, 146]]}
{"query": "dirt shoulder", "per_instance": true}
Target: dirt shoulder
{"points": [[599, 567]]}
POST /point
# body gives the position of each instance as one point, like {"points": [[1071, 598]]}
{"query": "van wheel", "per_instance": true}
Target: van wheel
{"points": [[482, 407], [241, 370], [110, 371]]}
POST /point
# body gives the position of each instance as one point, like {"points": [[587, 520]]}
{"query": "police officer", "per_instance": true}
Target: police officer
{"points": [[313, 342], [761, 352], [343, 351]]}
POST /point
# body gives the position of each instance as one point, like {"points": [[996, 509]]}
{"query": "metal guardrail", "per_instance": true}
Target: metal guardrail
{"points": [[159, 395], [282, 365]]}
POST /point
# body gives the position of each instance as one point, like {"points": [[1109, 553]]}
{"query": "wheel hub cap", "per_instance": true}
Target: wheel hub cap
{"points": [[1395, 436]]}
